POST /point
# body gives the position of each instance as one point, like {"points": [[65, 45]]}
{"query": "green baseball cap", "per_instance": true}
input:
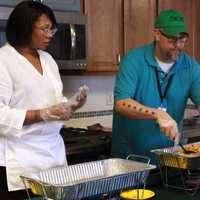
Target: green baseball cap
{"points": [[171, 22]]}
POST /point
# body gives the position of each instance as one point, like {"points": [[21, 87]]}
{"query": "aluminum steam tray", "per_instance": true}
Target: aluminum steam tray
{"points": [[170, 157], [88, 179]]}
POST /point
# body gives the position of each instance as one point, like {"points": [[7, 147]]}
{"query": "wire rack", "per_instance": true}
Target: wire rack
{"points": [[183, 165]]}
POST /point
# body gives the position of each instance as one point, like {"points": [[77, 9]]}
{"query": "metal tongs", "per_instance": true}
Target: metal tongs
{"points": [[185, 150]]}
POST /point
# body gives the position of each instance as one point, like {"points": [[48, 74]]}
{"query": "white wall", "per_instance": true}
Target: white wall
{"points": [[100, 97], [100, 90]]}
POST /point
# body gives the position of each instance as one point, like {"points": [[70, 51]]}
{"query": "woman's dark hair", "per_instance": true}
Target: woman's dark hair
{"points": [[21, 20]]}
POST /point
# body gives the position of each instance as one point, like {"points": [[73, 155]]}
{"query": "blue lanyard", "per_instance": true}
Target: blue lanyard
{"points": [[163, 95]]}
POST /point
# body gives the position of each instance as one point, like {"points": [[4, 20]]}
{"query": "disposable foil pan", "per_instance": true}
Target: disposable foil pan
{"points": [[171, 158], [88, 179]]}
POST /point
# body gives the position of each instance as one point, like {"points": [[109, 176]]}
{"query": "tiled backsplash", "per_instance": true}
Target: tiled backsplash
{"points": [[91, 114], [84, 119]]}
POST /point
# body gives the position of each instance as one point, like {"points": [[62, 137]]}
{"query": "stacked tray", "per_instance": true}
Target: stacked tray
{"points": [[88, 179], [172, 157]]}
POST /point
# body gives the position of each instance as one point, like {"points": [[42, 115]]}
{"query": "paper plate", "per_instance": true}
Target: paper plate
{"points": [[137, 194]]}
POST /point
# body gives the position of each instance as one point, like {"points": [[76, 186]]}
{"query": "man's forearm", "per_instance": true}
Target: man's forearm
{"points": [[134, 110]]}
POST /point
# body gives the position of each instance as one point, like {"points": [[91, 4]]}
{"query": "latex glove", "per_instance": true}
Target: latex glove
{"points": [[168, 125], [79, 98], [62, 111]]}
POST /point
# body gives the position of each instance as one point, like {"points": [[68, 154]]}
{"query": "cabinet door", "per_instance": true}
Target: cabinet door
{"points": [[105, 34], [197, 31], [188, 8], [139, 17]]}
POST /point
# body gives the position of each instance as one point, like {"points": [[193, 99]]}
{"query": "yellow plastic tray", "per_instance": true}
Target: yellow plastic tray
{"points": [[137, 194]]}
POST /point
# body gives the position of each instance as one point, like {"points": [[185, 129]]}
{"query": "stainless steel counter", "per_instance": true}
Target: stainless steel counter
{"points": [[192, 131]]}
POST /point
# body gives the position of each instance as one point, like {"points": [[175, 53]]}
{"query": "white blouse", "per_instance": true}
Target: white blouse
{"points": [[32, 147]]}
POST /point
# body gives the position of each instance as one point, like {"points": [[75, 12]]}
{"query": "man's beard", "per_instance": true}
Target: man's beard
{"points": [[173, 55]]}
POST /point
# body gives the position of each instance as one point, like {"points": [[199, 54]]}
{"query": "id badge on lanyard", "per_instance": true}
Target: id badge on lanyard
{"points": [[163, 105]]}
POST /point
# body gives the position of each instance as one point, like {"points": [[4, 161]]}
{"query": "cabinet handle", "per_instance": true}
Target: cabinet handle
{"points": [[73, 41], [118, 58]]}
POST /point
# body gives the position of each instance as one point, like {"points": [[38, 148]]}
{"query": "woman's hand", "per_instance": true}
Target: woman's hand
{"points": [[62, 111], [79, 99]]}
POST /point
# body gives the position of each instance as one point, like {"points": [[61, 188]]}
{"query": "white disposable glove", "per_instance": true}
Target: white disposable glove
{"points": [[168, 125], [79, 98], [62, 111]]}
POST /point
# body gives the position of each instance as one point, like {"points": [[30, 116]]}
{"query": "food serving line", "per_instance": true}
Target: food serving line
{"points": [[187, 165], [111, 176], [88, 179]]}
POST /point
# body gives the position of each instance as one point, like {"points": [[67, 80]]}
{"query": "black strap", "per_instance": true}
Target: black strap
{"points": [[163, 95]]}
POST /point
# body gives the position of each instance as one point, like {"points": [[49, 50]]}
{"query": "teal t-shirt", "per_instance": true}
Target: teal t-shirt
{"points": [[136, 79]]}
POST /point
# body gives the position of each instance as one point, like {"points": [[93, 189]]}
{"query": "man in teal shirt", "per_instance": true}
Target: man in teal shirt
{"points": [[152, 88]]}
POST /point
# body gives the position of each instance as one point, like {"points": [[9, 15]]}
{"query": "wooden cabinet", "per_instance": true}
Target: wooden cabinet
{"points": [[116, 26], [139, 17], [196, 43], [105, 34]]}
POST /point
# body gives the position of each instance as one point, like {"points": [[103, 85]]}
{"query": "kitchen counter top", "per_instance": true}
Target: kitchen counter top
{"points": [[163, 193], [191, 131]]}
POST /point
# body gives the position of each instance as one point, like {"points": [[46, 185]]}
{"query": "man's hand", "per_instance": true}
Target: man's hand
{"points": [[167, 125]]}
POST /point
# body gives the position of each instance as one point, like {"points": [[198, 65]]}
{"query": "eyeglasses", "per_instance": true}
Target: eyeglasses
{"points": [[182, 38], [48, 30]]}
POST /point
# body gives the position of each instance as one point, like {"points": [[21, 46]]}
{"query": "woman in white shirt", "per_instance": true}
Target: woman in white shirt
{"points": [[31, 99]]}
